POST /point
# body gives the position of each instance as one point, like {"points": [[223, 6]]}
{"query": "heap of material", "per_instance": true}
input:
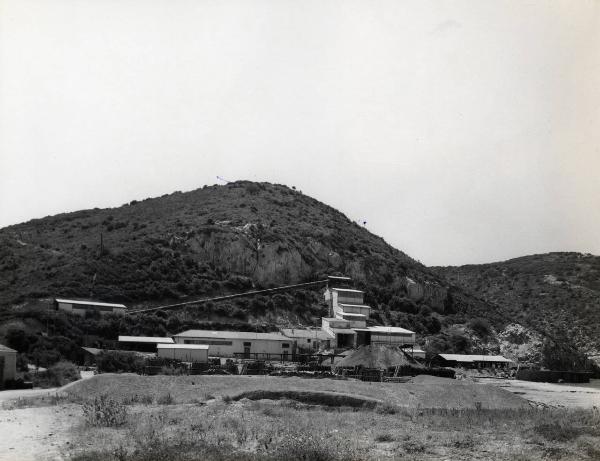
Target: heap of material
{"points": [[377, 356]]}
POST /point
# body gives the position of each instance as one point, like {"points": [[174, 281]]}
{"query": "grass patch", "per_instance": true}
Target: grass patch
{"points": [[105, 412]]}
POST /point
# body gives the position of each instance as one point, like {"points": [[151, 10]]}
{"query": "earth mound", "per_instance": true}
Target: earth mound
{"points": [[377, 356]]}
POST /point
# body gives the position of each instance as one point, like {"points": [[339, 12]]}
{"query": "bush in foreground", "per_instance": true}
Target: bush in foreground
{"points": [[105, 412]]}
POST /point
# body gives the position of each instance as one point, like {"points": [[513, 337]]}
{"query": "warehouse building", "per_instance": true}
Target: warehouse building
{"points": [[184, 352], [471, 361], [79, 307], [243, 343], [8, 364]]}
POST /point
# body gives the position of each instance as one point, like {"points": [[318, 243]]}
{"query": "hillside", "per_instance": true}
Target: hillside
{"points": [[556, 292], [218, 240]]}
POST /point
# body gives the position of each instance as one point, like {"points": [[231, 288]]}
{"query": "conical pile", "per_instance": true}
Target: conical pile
{"points": [[378, 356]]}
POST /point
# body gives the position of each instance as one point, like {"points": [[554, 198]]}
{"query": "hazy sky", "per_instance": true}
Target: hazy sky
{"points": [[461, 131]]}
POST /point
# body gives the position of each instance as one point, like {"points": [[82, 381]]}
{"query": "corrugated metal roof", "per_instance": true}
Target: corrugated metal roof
{"points": [[349, 314], [95, 351], [347, 289], [384, 330], [474, 358], [145, 339], [304, 333], [182, 346], [89, 303], [231, 335], [6, 349]]}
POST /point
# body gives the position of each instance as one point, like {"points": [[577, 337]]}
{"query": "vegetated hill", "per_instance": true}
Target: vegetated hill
{"points": [[212, 241], [556, 292]]}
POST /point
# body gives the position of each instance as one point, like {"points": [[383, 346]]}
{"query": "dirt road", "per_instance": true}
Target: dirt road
{"points": [[32, 434]]}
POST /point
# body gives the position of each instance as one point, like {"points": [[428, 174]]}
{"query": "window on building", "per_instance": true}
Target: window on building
{"points": [[247, 344], [209, 342], [308, 340], [285, 345]]}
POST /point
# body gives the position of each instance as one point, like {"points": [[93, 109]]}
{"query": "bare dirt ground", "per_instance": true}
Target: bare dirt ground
{"points": [[553, 395], [36, 433]]}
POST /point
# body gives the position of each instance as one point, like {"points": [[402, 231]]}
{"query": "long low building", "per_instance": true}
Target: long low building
{"points": [[471, 361], [8, 364], [184, 352], [81, 307], [229, 343]]}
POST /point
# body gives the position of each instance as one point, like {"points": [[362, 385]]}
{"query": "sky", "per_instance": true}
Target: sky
{"points": [[460, 131]]}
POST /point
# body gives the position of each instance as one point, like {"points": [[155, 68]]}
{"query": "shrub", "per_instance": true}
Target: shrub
{"points": [[384, 438], [114, 361], [481, 327], [105, 412], [58, 375]]}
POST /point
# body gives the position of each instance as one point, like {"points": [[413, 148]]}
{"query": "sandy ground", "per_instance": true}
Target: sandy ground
{"points": [[36, 433], [555, 395], [39, 433]]}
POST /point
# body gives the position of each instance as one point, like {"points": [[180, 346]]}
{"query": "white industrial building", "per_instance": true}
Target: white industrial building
{"points": [[82, 307], [184, 352], [230, 343], [347, 323], [8, 364]]}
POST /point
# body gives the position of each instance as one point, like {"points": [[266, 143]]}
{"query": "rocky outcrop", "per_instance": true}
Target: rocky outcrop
{"points": [[430, 292]]}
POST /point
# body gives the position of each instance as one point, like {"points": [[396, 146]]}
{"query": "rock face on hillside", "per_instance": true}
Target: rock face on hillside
{"points": [[520, 344]]}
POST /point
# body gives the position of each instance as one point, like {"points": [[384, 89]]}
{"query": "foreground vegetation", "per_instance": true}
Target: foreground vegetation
{"points": [[223, 429], [214, 418]]}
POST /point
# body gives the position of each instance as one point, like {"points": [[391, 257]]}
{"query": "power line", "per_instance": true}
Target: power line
{"points": [[237, 295]]}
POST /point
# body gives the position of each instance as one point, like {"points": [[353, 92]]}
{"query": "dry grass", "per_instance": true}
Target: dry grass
{"points": [[253, 430], [448, 394], [239, 428]]}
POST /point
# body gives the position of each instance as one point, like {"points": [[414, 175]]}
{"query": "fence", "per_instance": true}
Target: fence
{"points": [[318, 359]]}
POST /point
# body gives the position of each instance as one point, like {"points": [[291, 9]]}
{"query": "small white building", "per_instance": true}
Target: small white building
{"points": [[80, 307], [230, 343], [184, 352], [8, 364]]}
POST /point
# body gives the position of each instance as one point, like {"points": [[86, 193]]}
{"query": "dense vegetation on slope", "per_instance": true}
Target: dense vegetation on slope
{"points": [[555, 292], [209, 242]]}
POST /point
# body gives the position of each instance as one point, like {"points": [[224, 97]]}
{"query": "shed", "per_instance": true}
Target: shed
{"points": [[8, 364], [81, 307], [471, 361], [184, 352]]}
